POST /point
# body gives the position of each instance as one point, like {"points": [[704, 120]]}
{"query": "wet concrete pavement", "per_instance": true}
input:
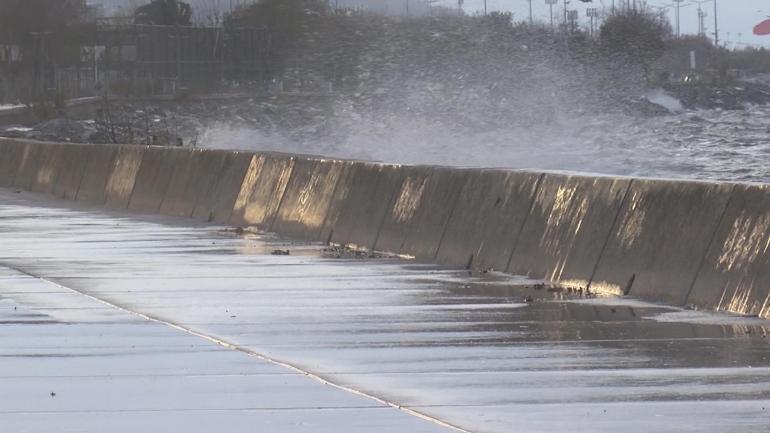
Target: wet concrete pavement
{"points": [[144, 323]]}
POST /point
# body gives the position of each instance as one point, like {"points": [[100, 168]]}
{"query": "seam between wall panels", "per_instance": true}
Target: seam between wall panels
{"points": [[609, 234], [197, 193], [208, 187], [170, 180], [229, 219], [538, 185], [58, 173], [451, 214], [12, 183], [113, 162], [391, 202], [710, 243], [343, 172], [19, 171], [292, 165], [214, 189], [410, 232], [136, 177], [82, 176], [231, 158]]}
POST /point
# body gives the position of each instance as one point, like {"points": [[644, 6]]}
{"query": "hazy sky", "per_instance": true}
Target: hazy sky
{"points": [[735, 16]]}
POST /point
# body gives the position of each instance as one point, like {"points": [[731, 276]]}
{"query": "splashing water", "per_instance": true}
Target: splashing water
{"points": [[705, 144]]}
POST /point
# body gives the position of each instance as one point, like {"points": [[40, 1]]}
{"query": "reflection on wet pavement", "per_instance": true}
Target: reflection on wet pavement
{"points": [[487, 352]]}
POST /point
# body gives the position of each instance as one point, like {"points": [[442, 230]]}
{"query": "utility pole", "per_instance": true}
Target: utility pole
{"points": [[566, 25], [678, 32], [701, 19], [716, 26], [592, 13], [407, 8], [550, 4], [485, 7], [530, 13]]}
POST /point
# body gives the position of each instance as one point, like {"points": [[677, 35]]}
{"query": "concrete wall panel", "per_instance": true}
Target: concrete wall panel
{"points": [[29, 165], [365, 200], [307, 198], [567, 228], [97, 173], [425, 202], [490, 213], [123, 176], [660, 239], [211, 169], [48, 170], [153, 178], [176, 201], [262, 190], [218, 206], [735, 275], [195, 173], [10, 155], [344, 184], [74, 159]]}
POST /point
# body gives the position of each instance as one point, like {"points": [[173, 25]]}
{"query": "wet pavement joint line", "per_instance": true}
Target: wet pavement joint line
{"points": [[251, 353]]}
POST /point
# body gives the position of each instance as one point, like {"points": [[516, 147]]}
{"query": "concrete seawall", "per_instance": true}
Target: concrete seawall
{"points": [[703, 244]]}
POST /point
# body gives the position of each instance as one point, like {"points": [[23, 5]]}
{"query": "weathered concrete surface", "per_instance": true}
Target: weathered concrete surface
{"points": [[122, 179], [177, 201], [48, 171], [28, 164], [567, 228], [218, 206], [153, 179], [308, 196], [487, 221], [195, 173], [8, 162], [735, 275], [215, 165], [416, 222], [101, 162], [465, 350], [368, 196], [663, 231], [337, 200], [262, 190], [71, 172]]}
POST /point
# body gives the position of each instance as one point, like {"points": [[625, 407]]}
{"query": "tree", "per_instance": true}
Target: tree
{"points": [[290, 24], [20, 20], [164, 13], [635, 36]]}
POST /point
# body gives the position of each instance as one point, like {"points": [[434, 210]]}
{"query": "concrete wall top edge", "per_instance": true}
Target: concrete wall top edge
{"points": [[382, 163]]}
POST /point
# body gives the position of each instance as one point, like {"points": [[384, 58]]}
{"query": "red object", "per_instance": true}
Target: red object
{"points": [[762, 28]]}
